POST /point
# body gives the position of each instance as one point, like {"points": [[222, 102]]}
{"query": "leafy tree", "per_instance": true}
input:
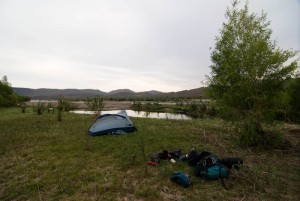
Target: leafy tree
{"points": [[7, 95], [5, 80], [95, 104], [249, 70], [22, 99], [60, 107], [63, 104], [294, 95]]}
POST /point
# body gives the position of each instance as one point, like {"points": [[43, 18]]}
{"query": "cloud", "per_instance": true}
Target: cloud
{"points": [[109, 44]]}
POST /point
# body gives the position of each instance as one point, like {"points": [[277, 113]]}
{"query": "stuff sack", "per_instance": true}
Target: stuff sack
{"points": [[181, 179]]}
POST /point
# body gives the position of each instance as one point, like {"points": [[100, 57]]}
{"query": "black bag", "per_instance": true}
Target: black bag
{"points": [[194, 157], [163, 155], [232, 162], [175, 154]]}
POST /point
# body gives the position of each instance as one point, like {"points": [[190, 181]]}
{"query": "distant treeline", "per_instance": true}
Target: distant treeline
{"points": [[117, 95], [157, 99]]}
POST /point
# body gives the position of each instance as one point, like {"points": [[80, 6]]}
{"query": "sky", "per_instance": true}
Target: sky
{"points": [[140, 45]]}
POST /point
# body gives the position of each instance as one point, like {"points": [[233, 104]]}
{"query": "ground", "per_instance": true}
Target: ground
{"points": [[44, 159]]}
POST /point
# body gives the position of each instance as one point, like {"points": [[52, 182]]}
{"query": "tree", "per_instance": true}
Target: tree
{"points": [[248, 70], [294, 99], [64, 105], [7, 95], [95, 104]]}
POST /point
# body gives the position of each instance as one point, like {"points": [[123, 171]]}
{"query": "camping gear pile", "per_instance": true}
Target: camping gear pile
{"points": [[206, 165]]}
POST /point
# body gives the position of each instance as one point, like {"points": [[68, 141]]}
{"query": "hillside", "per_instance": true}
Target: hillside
{"points": [[47, 94], [44, 93]]}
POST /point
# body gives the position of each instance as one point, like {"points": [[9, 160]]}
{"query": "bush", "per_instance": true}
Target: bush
{"points": [[253, 134], [137, 106], [148, 107], [95, 104], [201, 109], [50, 107], [23, 107], [39, 108]]}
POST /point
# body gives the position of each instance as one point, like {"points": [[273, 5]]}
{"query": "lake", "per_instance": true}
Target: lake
{"points": [[141, 114]]}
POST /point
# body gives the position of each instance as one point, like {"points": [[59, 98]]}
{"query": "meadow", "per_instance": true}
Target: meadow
{"points": [[45, 159]]}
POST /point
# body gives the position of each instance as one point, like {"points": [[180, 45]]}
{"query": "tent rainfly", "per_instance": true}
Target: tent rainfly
{"points": [[112, 124]]}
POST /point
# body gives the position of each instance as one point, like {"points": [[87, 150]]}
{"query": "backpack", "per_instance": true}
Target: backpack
{"points": [[193, 157], [210, 168]]}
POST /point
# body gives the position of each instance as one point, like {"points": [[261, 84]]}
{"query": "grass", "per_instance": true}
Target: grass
{"points": [[44, 159]]}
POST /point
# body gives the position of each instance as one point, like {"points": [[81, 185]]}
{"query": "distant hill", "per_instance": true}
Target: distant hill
{"points": [[199, 92], [48, 94], [120, 91]]}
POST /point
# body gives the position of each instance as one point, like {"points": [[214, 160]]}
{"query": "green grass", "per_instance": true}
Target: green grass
{"points": [[44, 159]]}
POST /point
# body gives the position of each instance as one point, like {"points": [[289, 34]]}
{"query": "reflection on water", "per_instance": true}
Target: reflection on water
{"points": [[142, 114]]}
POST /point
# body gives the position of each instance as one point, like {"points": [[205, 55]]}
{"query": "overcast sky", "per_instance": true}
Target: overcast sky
{"points": [[115, 44]]}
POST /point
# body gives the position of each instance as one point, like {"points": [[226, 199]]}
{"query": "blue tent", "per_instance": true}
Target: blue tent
{"points": [[112, 124]]}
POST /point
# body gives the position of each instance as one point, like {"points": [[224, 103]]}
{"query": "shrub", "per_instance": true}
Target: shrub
{"points": [[39, 108], [95, 104]]}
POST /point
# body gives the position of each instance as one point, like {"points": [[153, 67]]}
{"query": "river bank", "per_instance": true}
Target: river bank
{"points": [[108, 105]]}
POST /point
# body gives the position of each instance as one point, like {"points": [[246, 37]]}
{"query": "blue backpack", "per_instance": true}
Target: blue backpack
{"points": [[210, 168]]}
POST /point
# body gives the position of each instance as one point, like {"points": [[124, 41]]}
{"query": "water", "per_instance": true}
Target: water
{"points": [[141, 114]]}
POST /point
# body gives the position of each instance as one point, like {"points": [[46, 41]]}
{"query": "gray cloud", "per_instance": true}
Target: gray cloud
{"points": [[109, 44]]}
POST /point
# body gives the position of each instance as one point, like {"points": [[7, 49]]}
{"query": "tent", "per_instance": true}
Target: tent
{"points": [[112, 124]]}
